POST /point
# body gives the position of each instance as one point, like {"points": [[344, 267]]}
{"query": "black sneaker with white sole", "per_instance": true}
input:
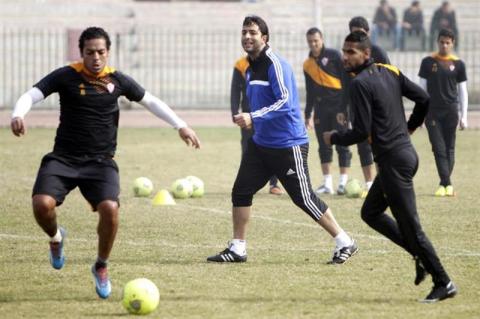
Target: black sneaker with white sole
{"points": [[341, 255], [227, 256], [439, 293]]}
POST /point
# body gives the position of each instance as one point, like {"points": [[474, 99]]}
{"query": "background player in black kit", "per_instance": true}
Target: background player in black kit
{"points": [[325, 85], [238, 104], [444, 77], [85, 144], [376, 100]]}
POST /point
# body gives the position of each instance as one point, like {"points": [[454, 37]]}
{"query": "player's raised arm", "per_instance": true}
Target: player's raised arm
{"points": [[163, 111], [23, 105]]}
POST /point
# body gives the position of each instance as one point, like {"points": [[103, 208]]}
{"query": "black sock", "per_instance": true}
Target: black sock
{"points": [[100, 263]]}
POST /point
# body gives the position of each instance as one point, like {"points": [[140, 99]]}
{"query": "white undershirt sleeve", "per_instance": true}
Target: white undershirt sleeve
{"points": [[162, 110], [463, 101], [25, 102], [423, 84]]}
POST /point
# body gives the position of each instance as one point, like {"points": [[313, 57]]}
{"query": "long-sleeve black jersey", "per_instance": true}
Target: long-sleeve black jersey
{"points": [[325, 79], [379, 115], [238, 96]]}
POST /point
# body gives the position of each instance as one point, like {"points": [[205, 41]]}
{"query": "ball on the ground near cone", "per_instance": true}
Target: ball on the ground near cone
{"points": [[197, 185], [182, 188], [142, 187], [140, 296], [353, 188], [163, 197]]}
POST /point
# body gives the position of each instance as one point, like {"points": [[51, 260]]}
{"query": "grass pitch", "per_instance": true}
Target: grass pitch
{"points": [[285, 276]]}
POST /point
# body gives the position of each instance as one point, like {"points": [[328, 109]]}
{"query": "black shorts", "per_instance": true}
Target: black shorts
{"points": [[289, 165], [96, 177]]}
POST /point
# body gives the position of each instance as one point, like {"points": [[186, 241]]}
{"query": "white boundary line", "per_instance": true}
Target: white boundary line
{"points": [[163, 243]]}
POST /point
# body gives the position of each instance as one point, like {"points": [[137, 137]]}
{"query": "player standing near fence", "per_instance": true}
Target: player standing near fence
{"points": [[325, 84], [85, 144], [444, 77]]}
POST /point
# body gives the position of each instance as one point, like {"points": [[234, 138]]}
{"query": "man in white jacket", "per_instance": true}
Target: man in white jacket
{"points": [[444, 77], [85, 144]]}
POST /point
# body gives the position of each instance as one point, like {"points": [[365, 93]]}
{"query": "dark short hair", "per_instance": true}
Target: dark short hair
{"points": [[447, 34], [359, 22], [262, 25], [361, 38], [93, 33], [313, 31]]}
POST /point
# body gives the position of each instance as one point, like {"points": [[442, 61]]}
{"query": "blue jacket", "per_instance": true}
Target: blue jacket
{"points": [[273, 96]]}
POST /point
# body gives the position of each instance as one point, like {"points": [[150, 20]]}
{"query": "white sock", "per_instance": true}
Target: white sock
{"points": [[342, 240], [328, 181], [343, 179], [238, 246], [368, 185], [57, 237]]}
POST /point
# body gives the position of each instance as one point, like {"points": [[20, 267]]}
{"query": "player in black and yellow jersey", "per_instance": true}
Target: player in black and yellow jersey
{"points": [[376, 99], [325, 82], [239, 104], [378, 55], [444, 77], [85, 144]]}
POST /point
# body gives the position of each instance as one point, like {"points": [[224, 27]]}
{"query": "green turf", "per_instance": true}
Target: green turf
{"points": [[286, 275]]}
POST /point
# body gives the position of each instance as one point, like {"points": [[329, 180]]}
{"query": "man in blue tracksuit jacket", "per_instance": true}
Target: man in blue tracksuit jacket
{"points": [[278, 147]]}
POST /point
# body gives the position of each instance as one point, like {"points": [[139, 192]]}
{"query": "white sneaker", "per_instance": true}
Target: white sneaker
{"points": [[324, 190]]}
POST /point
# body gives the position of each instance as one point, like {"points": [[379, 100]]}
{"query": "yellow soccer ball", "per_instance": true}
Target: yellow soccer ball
{"points": [[140, 296]]}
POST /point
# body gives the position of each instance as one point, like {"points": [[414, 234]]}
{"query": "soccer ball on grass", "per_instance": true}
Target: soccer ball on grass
{"points": [[197, 185], [353, 188], [142, 187], [182, 188], [140, 296]]}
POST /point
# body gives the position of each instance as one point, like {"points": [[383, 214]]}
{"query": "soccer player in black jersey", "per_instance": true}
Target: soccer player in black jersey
{"points": [[325, 84], [238, 104], [379, 55], [85, 144], [376, 99], [444, 77]]}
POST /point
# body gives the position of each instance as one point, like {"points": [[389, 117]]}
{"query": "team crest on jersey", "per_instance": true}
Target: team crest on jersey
{"points": [[110, 87], [434, 67], [451, 67], [324, 61]]}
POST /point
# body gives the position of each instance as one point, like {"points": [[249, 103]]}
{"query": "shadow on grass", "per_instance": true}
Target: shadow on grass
{"points": [[276, 299], [51, 297]]}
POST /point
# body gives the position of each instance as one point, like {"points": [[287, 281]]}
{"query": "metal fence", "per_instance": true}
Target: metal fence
{"points": [[185, 68]]}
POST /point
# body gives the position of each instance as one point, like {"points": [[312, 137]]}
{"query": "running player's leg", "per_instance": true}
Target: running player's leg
{"points": [[398, 174], [54, 181], [252, 175], [100, 185], [292, 171], [374, 214]]}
